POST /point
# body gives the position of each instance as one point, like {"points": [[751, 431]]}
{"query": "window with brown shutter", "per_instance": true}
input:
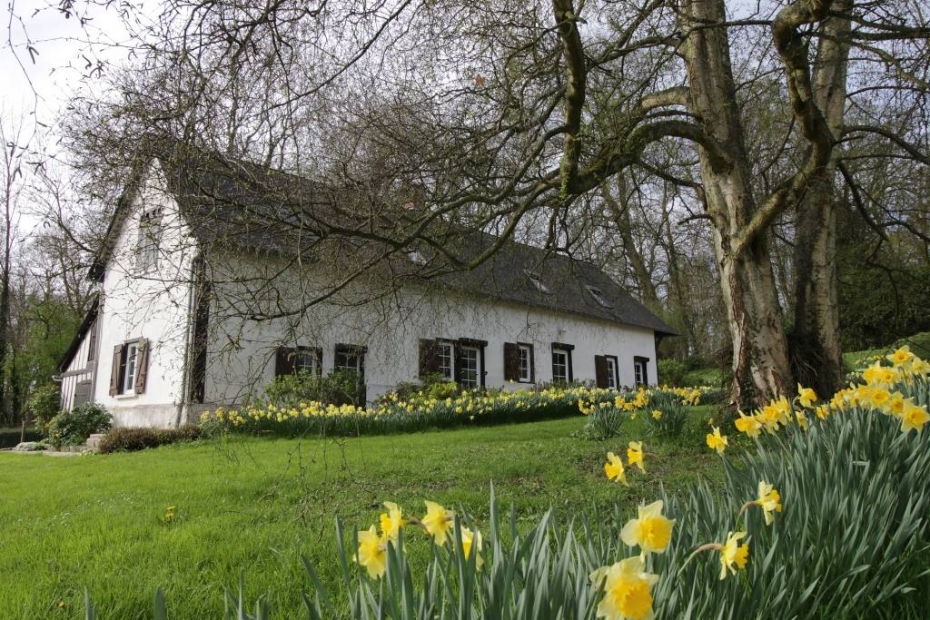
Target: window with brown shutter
{"points": [[518, 362], [294, 360], [130, 367]]}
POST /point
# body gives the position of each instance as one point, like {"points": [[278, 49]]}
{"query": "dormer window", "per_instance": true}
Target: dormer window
{"points": [[417, 258], [537, 281], [598, 296], [150, 231]]}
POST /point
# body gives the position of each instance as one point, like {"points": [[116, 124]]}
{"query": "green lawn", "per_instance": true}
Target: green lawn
{"points": [[256, 505]]}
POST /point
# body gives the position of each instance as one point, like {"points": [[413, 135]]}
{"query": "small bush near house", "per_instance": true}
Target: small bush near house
{"points": [[72, 428], [338, 388], [672, 372], [43, 404], [135, 439]]}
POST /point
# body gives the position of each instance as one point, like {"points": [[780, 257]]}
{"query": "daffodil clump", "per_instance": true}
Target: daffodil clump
{"points": [[887, 387], [422, 411]]}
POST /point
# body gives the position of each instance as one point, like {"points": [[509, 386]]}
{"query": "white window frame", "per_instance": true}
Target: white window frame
{"points": [[469, 382], [526, 363], [445, 351], [148, 241], [611, 372], [130, 369], [358, 355], [638, 372], [305, 360], [564, 355], [599, 296], [538, 282]]}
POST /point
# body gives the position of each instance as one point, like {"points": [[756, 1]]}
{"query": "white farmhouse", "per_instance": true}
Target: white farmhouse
{"points": [[217, 275]]}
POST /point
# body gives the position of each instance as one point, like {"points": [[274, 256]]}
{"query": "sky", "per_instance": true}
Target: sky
{"points": [[37, 86]]}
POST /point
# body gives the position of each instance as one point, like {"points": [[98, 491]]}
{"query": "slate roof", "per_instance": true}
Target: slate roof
{"points": [[249, 207]]}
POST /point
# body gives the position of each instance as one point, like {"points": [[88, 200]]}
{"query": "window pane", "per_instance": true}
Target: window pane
{"points": [[445, 360], [525, 364], [611, 373], [559, 366], [129, 379], [469, 370]]}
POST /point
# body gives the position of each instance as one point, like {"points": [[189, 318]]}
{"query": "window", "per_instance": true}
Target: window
{"points": [[606, 371], [612, 381], [639, 370], [459, 360], [469, 366], [130, 367], [562, 362], [417, 258], [518, 362], [537, 281], [446, 353], [349, 358], [598, 296], [150, 230], [294, 360], [526, 363]]}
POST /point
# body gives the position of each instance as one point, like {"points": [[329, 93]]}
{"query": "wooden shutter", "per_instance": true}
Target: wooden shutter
{"points": [[511, 361], [600, 371], [429, 357], [284, 361], [81, 393], [115, 373], [318, 354], [142, 366]]}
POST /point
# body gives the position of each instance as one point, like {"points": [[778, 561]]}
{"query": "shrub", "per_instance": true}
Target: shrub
{"points": [[338, 388], [72, 428], [135, 439], [43, 404], [672, 372]]}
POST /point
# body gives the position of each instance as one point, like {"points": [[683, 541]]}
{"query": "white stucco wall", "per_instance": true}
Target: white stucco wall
{"points": [[241, 356], [152, 305]]}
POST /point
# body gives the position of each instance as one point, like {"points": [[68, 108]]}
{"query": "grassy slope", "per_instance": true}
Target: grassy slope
{"points": [[257, 505]]}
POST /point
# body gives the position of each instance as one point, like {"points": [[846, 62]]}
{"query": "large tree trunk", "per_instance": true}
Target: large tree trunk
{"points": [[760, 355], [815, 342]]}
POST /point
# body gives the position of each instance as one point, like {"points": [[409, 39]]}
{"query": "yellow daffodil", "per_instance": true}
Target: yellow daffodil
{"points": [[806, 396], [438, 522], [801, 417], [716, 441], [769, 500], [914, 418], [651, 531], [822, 411], [879, 397], [896, 405], [748, 424], [901, 356], [371, 552], [733, 556], [873, 373], [657, 414], [614, 468], [392, 520], [627, 590], [634, 455], [472, 539]]}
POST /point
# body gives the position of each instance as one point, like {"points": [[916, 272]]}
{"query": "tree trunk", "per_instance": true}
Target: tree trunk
{"points": [[620, 213], [816, 355], [760, 354]]}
